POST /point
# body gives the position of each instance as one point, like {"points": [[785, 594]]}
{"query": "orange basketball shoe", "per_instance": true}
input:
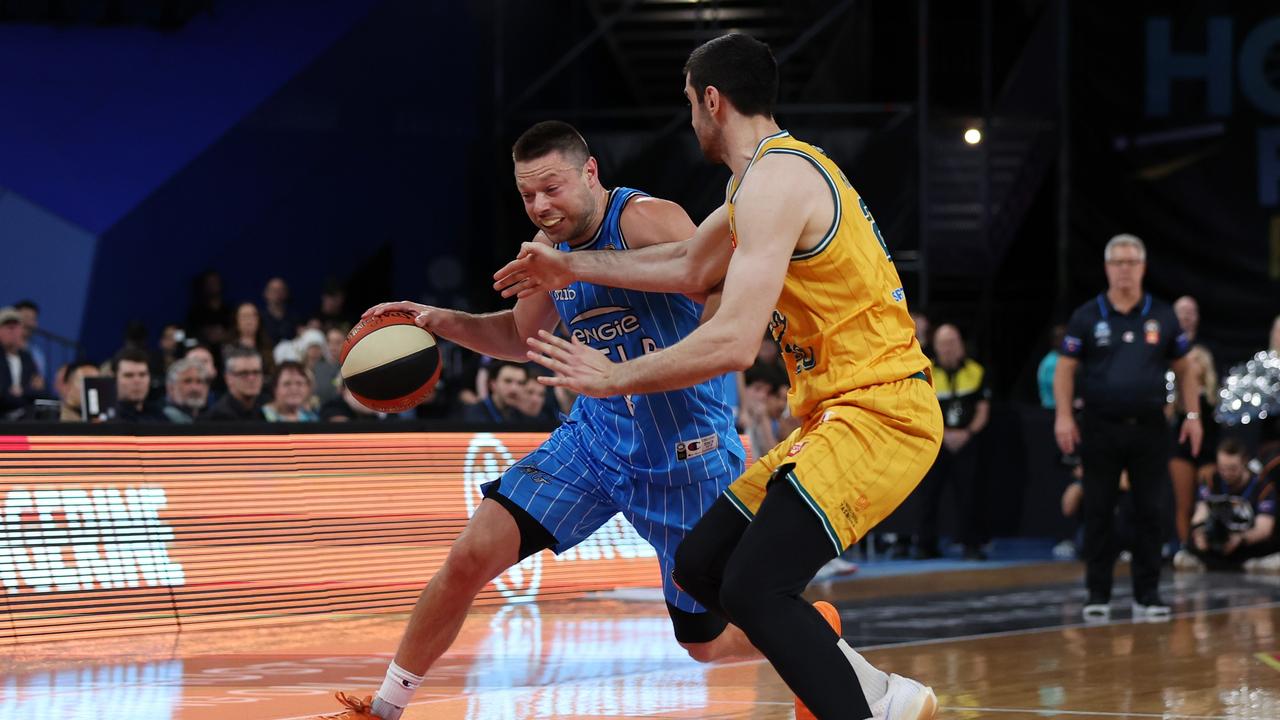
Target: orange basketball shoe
{"points": [[357, 708], [832, 616]]}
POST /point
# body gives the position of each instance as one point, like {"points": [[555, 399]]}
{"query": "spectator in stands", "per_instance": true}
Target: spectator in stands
{"points": [[209, 319], [21, 384], [243, 376], [333, 305], [280, 323], [172, 345], [961, 384], [764, 400], [1235, 517], [71, 389], [1183, 465], [249, 333], [345, 408], [538, 403], [204, 357], [133, 384], [1044, 373], [505, 386], [187, 386], [1187, 310], [315, 349], [923, 334], [30, 313], [291, 395]]}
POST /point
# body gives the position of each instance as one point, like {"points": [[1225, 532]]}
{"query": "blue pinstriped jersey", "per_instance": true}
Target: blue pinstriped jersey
{"points": [[676, 437]]}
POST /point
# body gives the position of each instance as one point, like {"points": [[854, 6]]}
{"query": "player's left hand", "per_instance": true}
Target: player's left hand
{"points": [[1194, 431], [537, 268], [578, 367]]}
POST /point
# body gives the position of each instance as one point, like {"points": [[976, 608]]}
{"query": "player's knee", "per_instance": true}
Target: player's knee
{"points": [[690, 568], [471, 565], [701, 652], [741, 598]]}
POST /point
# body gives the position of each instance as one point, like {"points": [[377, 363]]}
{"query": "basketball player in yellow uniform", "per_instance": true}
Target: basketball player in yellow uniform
{"points": [[798, 252]]}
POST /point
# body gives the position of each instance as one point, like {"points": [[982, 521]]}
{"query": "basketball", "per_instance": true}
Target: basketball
{"points": [[389, 363]]}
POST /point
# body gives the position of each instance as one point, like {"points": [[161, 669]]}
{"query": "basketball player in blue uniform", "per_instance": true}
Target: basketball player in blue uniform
{"points": [[660, 459]]}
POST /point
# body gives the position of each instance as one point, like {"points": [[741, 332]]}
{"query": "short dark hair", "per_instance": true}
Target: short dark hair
{"points": [[497, 367], [73, 366], [551, 136], [27, 305], [1231, 447], [741, 68], [132, 354], [768, 373]]}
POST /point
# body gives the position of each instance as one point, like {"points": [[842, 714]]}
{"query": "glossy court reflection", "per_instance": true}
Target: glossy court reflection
{"points": [[1024, 656]]}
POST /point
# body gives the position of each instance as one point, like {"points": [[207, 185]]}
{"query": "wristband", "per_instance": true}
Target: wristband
{"points": [[1193, 415]]}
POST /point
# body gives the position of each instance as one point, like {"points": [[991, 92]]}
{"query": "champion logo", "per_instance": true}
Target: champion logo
{"points": [[795, 449], [72, 539]]}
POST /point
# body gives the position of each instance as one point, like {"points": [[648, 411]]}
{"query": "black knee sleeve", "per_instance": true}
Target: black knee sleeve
{"points": [[534, 538], [701, 556]]}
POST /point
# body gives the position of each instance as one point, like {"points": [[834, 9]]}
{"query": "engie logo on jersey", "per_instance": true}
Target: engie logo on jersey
{"points": [[71, 539], [687, 449]]}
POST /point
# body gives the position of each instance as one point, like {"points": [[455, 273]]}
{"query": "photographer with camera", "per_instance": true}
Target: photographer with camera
{"points": [[1234, 519]]}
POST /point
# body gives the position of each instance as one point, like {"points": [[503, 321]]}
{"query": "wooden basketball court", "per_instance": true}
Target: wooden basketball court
{"points": [[1003, 642]]}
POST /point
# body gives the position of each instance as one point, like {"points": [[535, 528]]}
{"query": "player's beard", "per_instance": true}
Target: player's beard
{"points": [[709, 141], [586, 219]]}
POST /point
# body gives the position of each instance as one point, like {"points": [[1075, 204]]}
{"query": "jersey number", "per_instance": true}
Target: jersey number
{"points": [[866, 213]]}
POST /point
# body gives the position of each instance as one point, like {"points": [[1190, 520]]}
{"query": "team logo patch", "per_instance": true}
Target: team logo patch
{"points": [[1102, 333], [687, 449], [1151, 329], [534, 474], [795, 449], [1072, 344]]}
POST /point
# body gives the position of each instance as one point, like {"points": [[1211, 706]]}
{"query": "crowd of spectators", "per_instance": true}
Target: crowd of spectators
{"points": [[265, 361]]}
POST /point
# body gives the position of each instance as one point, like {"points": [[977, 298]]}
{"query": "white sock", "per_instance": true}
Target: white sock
{"points": [[396, 692], [875, 683]]}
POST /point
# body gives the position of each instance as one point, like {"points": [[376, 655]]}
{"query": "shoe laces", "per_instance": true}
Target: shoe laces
{"points": [[356, 707]]}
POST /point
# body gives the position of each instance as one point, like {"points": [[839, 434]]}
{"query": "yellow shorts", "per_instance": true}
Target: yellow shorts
{"points": [[855, 459]]}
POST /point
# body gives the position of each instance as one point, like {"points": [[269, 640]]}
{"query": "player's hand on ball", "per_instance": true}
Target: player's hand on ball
{"points": [[577, 367], [537, 268], [427, 316]]}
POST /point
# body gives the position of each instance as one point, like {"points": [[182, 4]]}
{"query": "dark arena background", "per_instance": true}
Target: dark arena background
{"points": [[199, 198]]}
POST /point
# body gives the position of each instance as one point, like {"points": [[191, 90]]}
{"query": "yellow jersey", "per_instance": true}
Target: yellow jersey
{"points": [[842, 319]]}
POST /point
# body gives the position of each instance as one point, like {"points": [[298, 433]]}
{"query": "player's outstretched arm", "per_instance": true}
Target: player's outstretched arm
{"points": [[772, 214], [692, 265], [501, 334]]}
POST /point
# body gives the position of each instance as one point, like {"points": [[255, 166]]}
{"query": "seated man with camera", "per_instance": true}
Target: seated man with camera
{"points": [[1234, 519]]}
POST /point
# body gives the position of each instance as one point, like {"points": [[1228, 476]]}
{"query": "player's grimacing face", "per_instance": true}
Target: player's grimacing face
{"points": [[557, 195]]}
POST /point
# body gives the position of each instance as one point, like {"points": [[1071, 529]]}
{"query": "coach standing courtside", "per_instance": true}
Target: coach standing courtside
{"points": [[1126, 341]]}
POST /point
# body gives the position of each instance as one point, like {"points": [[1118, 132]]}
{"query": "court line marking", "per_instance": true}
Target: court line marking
{"points": [[1058, 628], [1270, 659], [1084, 713]]}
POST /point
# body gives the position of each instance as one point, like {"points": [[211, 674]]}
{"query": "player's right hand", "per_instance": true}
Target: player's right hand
{"points": [[428, 317], [1066, 433], [537, 268]]}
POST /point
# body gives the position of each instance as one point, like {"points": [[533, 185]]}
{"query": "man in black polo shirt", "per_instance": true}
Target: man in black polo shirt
{"points": [[1123, 341]]}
